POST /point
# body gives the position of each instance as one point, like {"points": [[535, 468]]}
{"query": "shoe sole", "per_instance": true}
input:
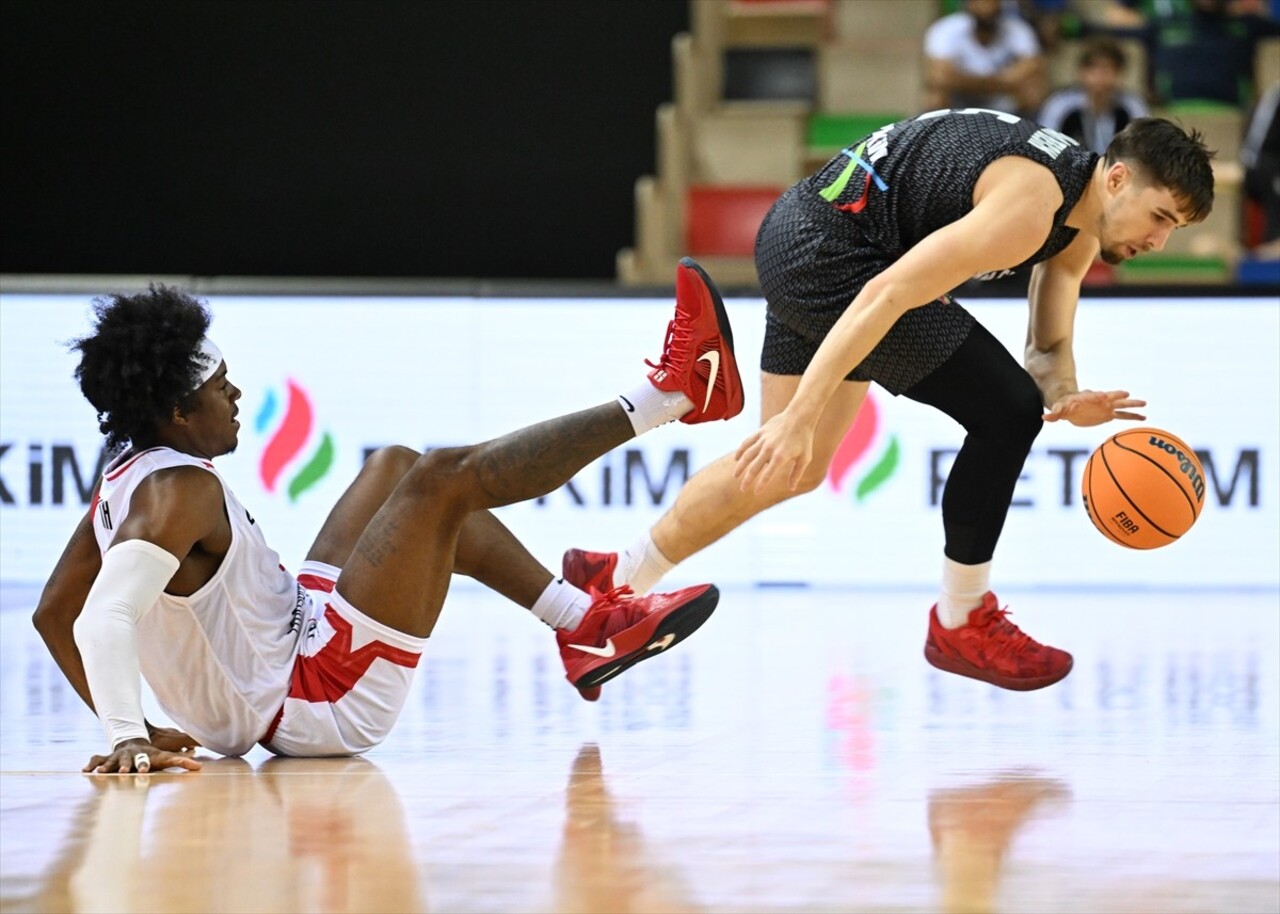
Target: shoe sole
{"points": [[961, 668], [679, 623], [722, 316], [726, 334]]}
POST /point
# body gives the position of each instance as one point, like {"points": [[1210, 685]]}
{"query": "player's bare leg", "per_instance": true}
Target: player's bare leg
{"points": [[399, 570], [487, 551], [711, 504]]}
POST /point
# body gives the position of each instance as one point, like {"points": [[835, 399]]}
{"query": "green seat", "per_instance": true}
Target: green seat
{"points": [[1165, 269], [835, 131]]}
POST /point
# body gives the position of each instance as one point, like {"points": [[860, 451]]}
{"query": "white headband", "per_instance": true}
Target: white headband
{"points": [[212, 357]]}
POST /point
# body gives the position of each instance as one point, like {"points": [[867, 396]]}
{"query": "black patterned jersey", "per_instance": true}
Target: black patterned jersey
{"points": [[909, 179]]}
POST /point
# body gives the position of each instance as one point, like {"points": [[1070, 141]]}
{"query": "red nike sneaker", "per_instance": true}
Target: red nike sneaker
{"points": [[991, 648], [697, 358], [589, 571], [592, 572], [620, 630]]}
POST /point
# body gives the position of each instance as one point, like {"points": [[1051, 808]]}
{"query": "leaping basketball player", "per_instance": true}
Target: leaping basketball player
{"points": [[168, 575], [857, 263]]}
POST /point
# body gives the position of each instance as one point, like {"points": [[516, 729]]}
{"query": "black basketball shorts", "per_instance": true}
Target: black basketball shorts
{"points": [[812, 261]]}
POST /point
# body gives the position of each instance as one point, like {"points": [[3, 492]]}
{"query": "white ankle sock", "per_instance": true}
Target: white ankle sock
{"points": [[963, 587], [561, 605], [641, 566], [647, 407]]}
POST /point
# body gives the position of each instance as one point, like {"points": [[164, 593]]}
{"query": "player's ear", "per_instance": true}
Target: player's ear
{"points": [[1118, 175]]}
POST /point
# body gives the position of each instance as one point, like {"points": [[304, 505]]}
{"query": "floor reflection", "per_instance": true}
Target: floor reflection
{"points": [[325, 835], [973, 829], [604, 863], [798, 755]]}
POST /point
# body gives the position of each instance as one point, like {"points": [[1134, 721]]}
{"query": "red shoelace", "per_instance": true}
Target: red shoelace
{"points": [[678, 333], [1012, 640]]}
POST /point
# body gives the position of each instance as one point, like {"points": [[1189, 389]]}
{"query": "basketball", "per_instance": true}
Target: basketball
{"points": [[1143, 488]]}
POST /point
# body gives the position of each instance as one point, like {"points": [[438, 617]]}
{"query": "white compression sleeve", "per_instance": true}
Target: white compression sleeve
{"points": [[132, 578]]}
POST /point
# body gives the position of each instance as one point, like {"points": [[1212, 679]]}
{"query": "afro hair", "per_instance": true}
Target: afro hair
{"points": [[141, 361]]}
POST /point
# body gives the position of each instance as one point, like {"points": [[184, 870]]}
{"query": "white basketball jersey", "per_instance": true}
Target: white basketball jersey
{"points": [[219, 661]]}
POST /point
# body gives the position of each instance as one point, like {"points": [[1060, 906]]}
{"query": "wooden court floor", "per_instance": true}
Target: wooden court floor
{"points": [[796, 755]]}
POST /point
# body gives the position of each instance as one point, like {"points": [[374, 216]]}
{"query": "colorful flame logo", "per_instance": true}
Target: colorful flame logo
{"points": [[288, 440], [856, 443]]}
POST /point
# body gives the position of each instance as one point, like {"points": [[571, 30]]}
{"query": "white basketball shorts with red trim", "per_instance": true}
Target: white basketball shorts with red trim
{"points": [[350, 679]]}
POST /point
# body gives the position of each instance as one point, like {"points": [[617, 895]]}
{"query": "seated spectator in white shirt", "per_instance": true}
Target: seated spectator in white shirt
{"points": [[981, 58], [1096, 108]]}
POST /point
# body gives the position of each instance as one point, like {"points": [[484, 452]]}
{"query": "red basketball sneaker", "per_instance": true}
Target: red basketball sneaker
{"points": [[697, 358], [620, 630], [589, 571], [991, 648], [592, 572]]}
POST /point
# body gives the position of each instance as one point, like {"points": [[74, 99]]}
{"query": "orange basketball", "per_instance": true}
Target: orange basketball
{"points": [[1143, 488]]}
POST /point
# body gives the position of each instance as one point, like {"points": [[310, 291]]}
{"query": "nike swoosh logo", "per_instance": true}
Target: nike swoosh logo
{"points": [[662, 643], [629, 406], [607, 651], [713, 359]]}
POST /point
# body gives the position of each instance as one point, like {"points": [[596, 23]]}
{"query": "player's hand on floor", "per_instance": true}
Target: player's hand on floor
{"points": [[171, 740], [137, 756], [782, 447], [1094, 407]]}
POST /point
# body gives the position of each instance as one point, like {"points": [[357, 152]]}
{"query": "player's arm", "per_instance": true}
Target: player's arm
{"points": [[62, 599], [942, 78], [58, 608], [1011, 217], [1050, 357], [169, 513]]}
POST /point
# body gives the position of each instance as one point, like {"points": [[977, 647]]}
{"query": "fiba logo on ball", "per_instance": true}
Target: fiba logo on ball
{"points": [[1143, 488]]}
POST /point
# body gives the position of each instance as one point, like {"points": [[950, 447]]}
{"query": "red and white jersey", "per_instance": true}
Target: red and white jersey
{"points": [[219, 661]]}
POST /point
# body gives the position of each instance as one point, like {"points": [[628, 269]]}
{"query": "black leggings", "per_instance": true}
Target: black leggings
{"points": [[984, 389]]}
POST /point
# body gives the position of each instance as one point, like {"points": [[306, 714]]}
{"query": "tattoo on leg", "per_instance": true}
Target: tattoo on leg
{"points": [[539, 459], [378, 543]]}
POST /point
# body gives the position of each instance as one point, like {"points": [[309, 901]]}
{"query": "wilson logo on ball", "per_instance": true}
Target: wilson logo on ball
{"points": [[1187, 464], [1143, 488]]}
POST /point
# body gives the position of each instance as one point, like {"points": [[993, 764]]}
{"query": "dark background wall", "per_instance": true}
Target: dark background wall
{"points": [[476, 138]]}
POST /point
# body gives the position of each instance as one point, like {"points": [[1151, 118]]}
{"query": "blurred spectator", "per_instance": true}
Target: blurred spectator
{"points": [[1094, 109], [1050, 18], [980, 57], [1260, 157], [1198, 50]]}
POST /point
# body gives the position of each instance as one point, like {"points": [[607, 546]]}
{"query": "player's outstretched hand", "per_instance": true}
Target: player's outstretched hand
{"points": [[1094, 407], [780, 446], [137, 756], [170, 740]]}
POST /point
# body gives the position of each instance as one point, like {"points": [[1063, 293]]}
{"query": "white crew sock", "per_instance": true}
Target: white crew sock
{"points": [[647, 407], [561, 605], [641, 566], [963, 587]]}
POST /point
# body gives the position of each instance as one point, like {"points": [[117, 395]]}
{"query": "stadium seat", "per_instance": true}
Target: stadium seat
{"points": [[1266, 64], [772, 74], [1219, 235], [1250, 272], [855, 78], [1222, 125], [1173, 269], [724, 220], [747, 146], [857, 20], [835, 131], [761, 23], [829, 133]]}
